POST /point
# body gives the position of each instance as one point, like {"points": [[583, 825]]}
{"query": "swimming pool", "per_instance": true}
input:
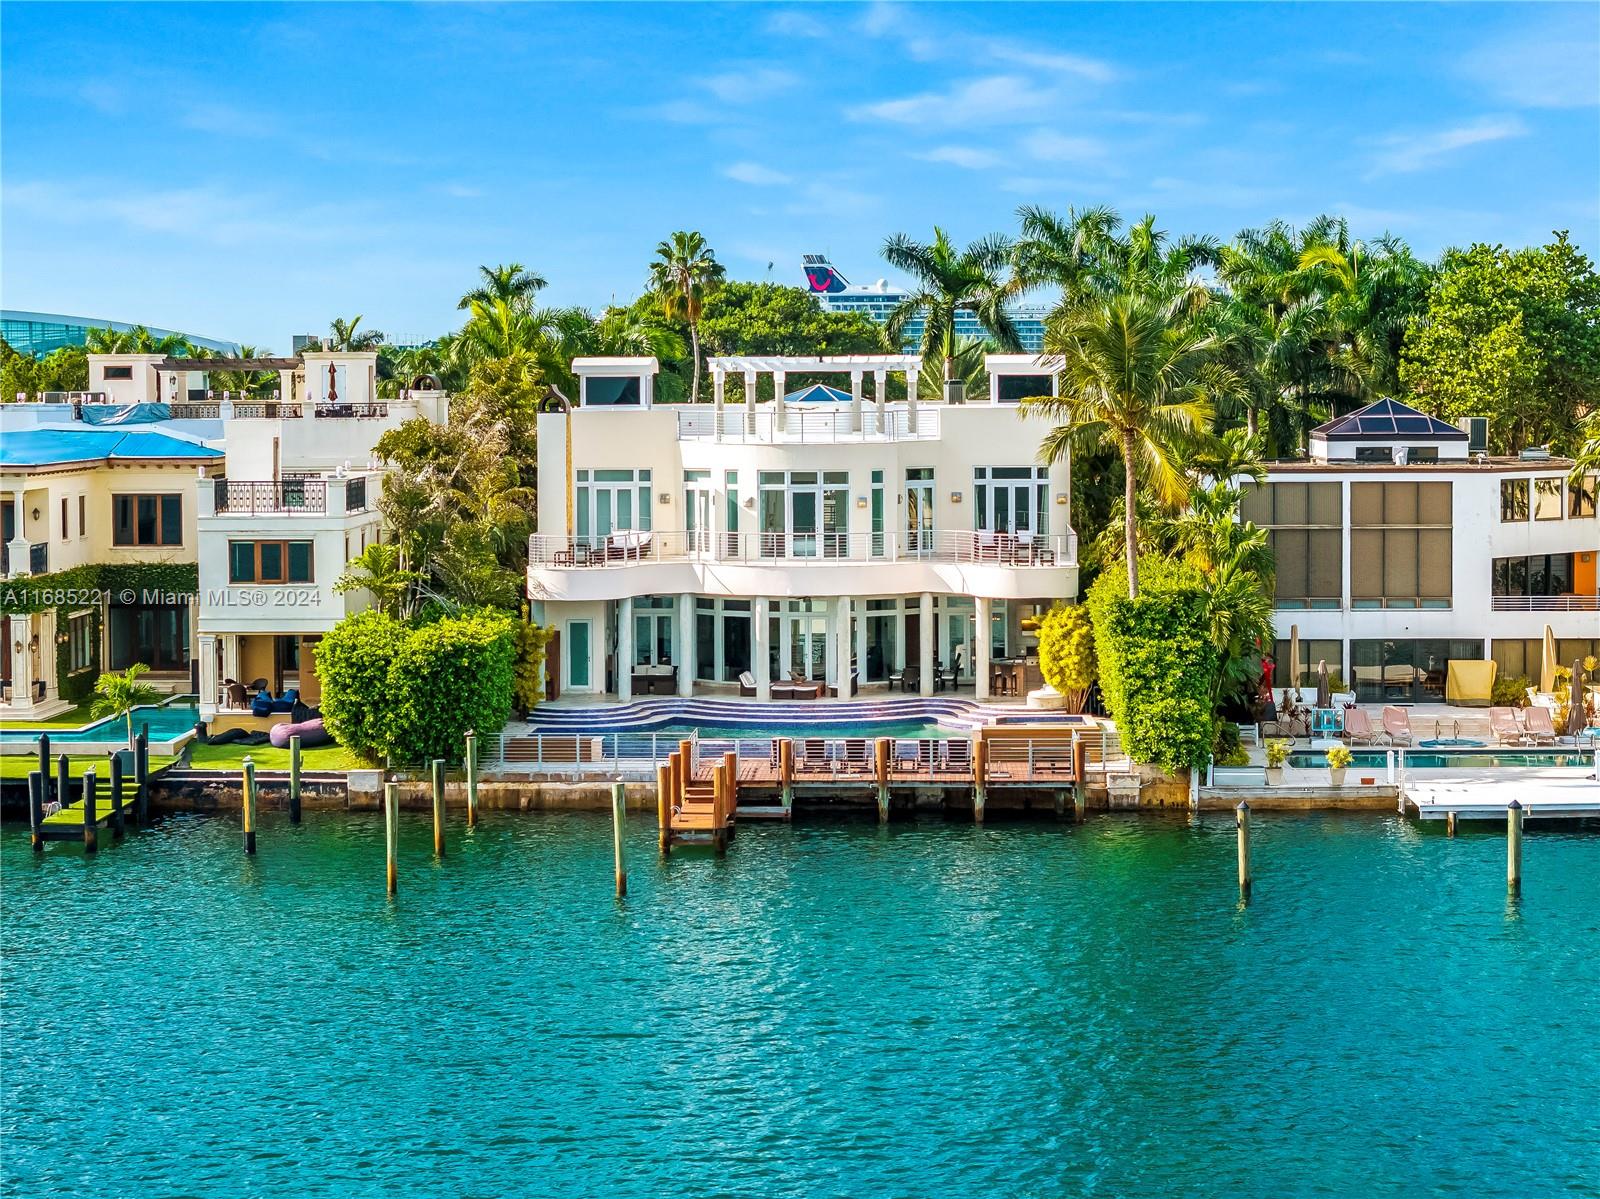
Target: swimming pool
{"points": [[817, 728], [1472, 759], [167, 721]]}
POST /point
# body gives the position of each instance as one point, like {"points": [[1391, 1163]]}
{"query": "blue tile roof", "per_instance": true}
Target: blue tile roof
{"points": [[58, 447], [817, 392]]}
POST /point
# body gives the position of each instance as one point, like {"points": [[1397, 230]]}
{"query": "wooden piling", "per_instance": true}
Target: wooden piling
{"points": [[391, 835], [63, 780], [1080, 803], [36, 786], [472, 779], [294, 778], [786, 772], [91, 827], [674, 779], [44, 769], [1514, 814], [438, 807], [141, 778], [730, 770], [1450, 824], [664, 808], [719, 808], [249, 804], [119, 827], [1242, 821], [980, 778], [882, 753], [619, 804]]}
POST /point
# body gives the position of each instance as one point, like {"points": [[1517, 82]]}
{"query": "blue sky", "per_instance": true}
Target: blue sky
{"points": [[250, 171]]}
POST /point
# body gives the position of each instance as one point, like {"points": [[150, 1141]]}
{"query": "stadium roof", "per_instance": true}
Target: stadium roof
{"points": [[41, 332]]}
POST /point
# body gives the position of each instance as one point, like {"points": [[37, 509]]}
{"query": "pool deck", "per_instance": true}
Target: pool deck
{"points": [[1546, 793]]}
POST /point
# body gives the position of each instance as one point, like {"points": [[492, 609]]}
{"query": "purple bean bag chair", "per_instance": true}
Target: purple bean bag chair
{"points": [[311, 733]]}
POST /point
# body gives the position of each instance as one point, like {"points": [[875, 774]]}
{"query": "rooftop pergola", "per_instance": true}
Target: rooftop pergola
{"points": [[857, 366]]}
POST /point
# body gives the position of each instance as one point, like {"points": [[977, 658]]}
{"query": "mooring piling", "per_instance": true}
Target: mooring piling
{"points": [[438, 807], [391, 834], [1242, 821], [664, 808], [91, 825], [1080, 801], [249, 804], [1514, 814], [619, 801], [472, 779], [882, 751], [980, 778], [141, 777], [63, 780], [294, 778], [36, 786], [119, 826], [786, 773], [1450, 824], [44, 767]]}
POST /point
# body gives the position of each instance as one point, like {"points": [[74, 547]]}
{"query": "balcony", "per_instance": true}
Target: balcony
{"points": [[699, 422], [276, 495], [1545, 603]]}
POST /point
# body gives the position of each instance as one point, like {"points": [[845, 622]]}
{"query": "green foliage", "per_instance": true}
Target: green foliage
{"points": [[947, 279], [684, 275], [1514, 336], [412, 691], [1510, 691], [769, 318], [1157, 663], [117, 695], [63, 369], [1277, 752], [380, 570], [1066, 652], [1339, 757], [528, 686]]}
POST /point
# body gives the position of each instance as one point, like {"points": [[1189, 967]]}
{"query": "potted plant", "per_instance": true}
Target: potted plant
{"points": [[1277, 755], [1338, 762]]}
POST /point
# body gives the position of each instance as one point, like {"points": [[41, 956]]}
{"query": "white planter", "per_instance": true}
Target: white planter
{"points": [[1336, 775], [1274, 776]]}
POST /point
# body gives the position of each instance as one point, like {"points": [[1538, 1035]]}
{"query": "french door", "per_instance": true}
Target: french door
{"points": [[919, 510]]}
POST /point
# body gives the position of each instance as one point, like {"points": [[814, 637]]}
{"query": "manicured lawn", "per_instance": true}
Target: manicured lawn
{"points": [[231, 757], [18, 766], [75, 718]]}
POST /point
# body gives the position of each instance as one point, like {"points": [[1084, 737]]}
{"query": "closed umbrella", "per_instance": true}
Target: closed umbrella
{"points": [[1324, 688], [1577, 718], [1548, 662], [1293, 677]]}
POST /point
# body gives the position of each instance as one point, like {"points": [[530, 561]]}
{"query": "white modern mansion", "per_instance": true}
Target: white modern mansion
{"points": [[825, 538], [1400, 547]]}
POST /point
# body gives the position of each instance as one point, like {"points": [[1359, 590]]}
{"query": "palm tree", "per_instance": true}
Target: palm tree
{"points": [[380, 569], [512, 284], [1070, 252], [1139, 377], [685, 273], [343, 336], [970, 370], [119, 694], [243, 382], [947, 281], [138, 340]]}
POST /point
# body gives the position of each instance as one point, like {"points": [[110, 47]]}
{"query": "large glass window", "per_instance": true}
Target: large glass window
{"points": [[1400, 545], [146, 520], [155, 634], [1525, 656], [1581, 496], [919, 510], [1312, 651], [1547, 499], [1305, 526], [1513, 499], [652, 630], [612, 501], [80, 641], [1405, 671], [269, 562], [804, 513], [1536, 574], [1015, 388], [611, 391], [1010, 499]]}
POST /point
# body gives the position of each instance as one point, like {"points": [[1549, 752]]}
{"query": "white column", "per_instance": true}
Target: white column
{"points": [[856, 378], [209, 682], [230, 658], [18, 546], [880, 384], [911, 399], [844, 644], [760, 617], [686, 645], [750, 381], [716, 403], [980, 649], [625, 649], [925, 643], [780, 410]]}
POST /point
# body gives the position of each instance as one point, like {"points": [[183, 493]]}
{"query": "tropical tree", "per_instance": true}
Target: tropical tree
{"points": [[381, 569], [970, 369], [512, 284], [117, 695], [686, 272], [347, 336], [1136, 376], [1072, 252], [241, 381], [138, 340], [947, 280]]}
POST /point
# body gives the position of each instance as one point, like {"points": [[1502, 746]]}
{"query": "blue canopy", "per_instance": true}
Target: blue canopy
{"points": [[817, 393]]}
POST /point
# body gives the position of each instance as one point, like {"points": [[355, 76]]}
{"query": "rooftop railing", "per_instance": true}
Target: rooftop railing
{"points": [[631, 547], [1545, 603], [275, 495], [805, 426]]}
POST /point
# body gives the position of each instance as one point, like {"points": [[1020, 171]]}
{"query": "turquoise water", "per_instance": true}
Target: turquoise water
{"points": [[930, 1010], [1463, 759], [820, 728], [166, 722]]}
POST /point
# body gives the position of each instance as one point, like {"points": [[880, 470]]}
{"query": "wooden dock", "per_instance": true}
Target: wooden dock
{"points": [[55, 814]]}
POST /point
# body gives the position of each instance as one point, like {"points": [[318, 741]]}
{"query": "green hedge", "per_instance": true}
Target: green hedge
{"points": [[411, 691], [1066, 652], [1157, 662]]}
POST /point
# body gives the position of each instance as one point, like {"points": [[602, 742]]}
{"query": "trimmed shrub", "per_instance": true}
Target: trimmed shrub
{"points": [[1157, 662], [447, 677], [1511, 691], [353, 662], [528, 687], [1066, 652]]}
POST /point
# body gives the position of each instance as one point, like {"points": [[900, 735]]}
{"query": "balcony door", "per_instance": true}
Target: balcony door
{"points": [[1009, 499], [698, 501], [919, 510], [805, 514]]}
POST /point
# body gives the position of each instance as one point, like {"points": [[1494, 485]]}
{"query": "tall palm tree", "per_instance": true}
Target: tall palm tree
{"points": [[243, 382], [947, 280], [138, 340], [1136, 376], [511, 283], [346, 336], [1070, 252], [685, 273]]}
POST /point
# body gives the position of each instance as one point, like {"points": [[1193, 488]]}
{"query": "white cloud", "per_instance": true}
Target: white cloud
{"points": [[789, 22], [1092, 69], [1047, 145], [968, 157], [1402, 153], [990, 100], [215, 116], [462, 191], [685, 112], [752, 82], [755, 174], [1556, 66]]}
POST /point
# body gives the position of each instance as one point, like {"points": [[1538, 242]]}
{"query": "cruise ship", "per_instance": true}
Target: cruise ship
{"points": [[879, 299]]}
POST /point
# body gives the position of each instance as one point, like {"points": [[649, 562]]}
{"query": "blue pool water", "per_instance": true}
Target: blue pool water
{"points": [[929, 1010], [817, 728], [166, 722], [1453, 759]]}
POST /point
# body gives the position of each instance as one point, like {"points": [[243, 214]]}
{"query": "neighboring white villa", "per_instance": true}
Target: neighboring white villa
{"points": [[826, 534], [1399, 548]]}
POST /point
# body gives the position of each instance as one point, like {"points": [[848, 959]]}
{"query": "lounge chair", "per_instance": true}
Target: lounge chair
{"points": [[857, 756], [783, 691], [814, 754], [958, 755], [905, 756], [1397, 726], [1540, 727], [1504, 725], [805, 688], [747, 683], [926, 749], [1358, 727]]}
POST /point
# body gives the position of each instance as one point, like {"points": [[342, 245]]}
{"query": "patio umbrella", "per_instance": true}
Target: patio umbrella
{"points": [[1548, 663], [1324, 689], [1577, 718], [1292, 677]]}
